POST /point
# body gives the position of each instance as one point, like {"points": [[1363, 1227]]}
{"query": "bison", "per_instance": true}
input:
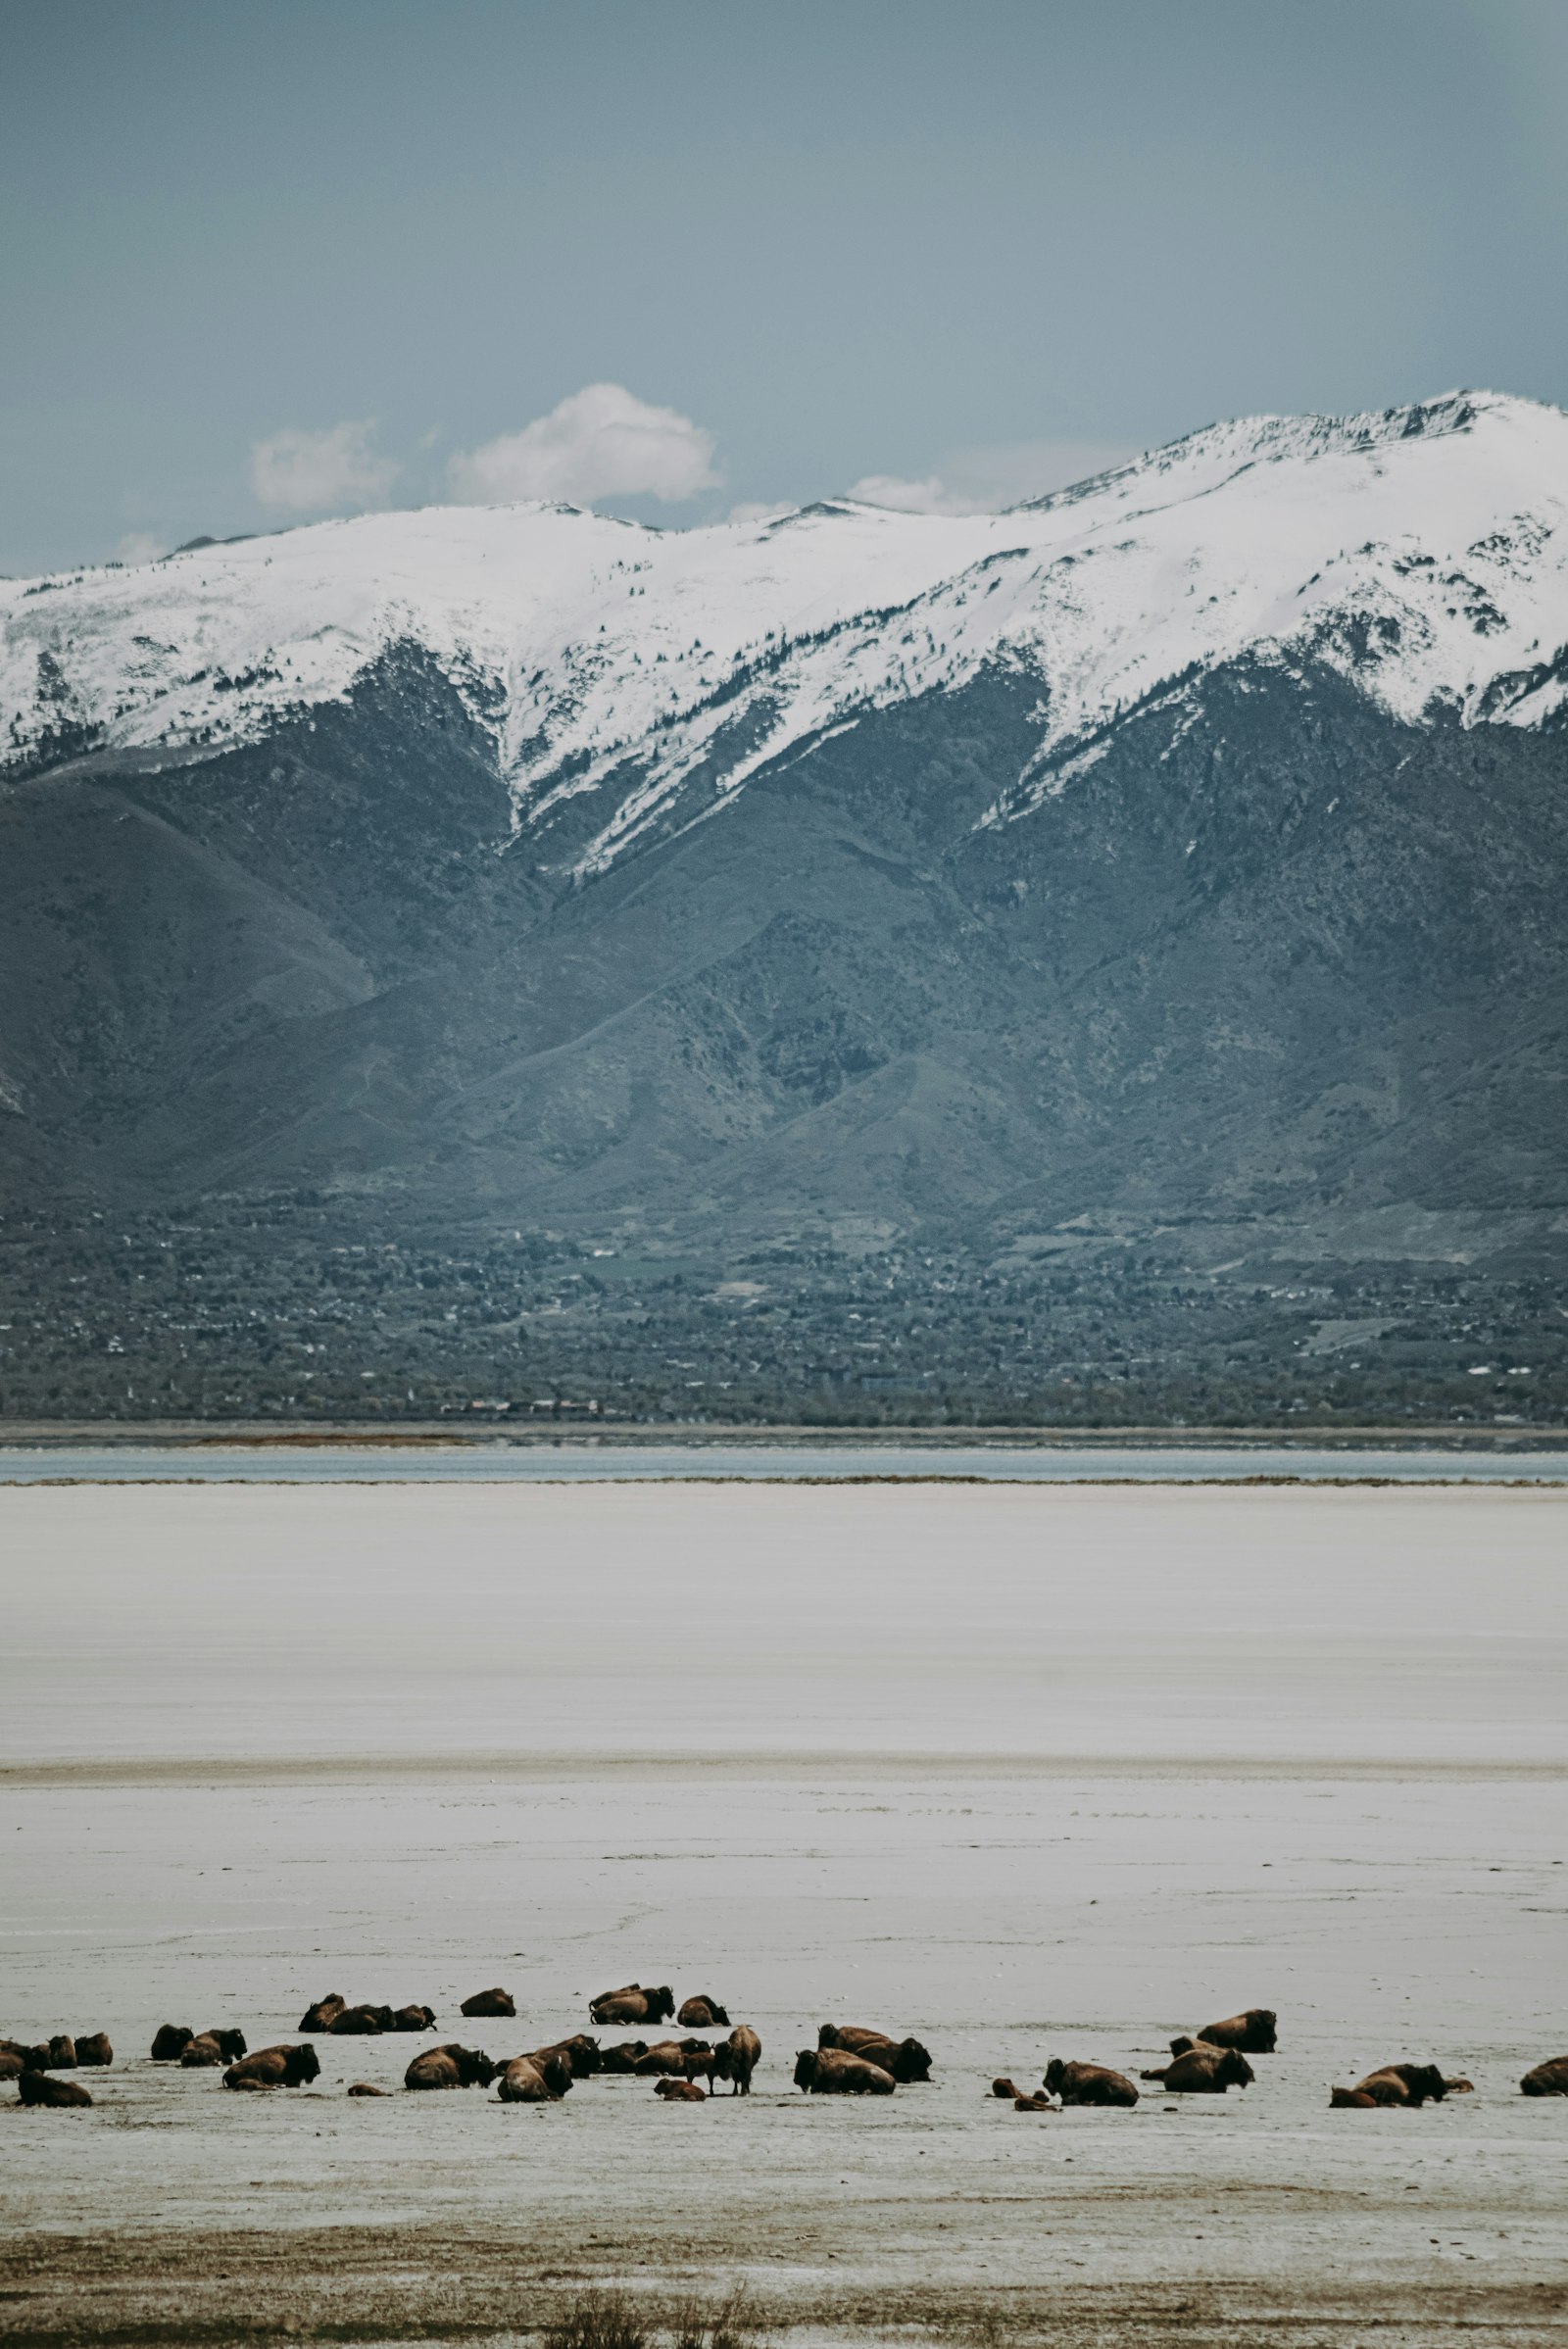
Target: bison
{"points": [[581, 2053], [170, 2042], [624, 2056], [1205, 2071], [680, 2092], [737, 2058], [1549, 2078], [36, 2087], [632, 2004], [275, 2068], [323, 2014], [677, 2059], [1033, 2104], [906, 2059], [701, 2014], [1089, 2083], [1006, 2088], [488, 2002], [834, 2071], [363, 2023], [13, 2063], [451, 2067], [535, 2080], [94, 2051], [363, 2087], [1254, 2032], [1394, 2084], [412, 2018]]}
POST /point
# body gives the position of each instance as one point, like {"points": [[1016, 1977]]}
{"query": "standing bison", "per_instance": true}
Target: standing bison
{"points": [[737, 2058], [1088, 2083], [1394, 2084], [632, 2004], [834, 2071]]}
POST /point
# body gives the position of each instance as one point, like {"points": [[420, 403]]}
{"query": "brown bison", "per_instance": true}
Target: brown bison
{"points": [[94, 2051], [580, 2051], [701, 2014], [1006, 2088], [1033, 2104], [36, 2087], [361, 2023], [677, 2059], [13, 2063], [170, 2041], [1394, 2084], [275, 2068], [363, 2087], [58, 2054], [906, 2059], [323, 2014], [412, 2018], [624, 2056], [1549, 2078], [680, 2092], [1205, 2071], [206, 2050], [737, 2058], [632, 2004], [834, 2071], [535, 2080], [1088, 2083], [451, 2067], [488, 2002], [1254, 2032]]}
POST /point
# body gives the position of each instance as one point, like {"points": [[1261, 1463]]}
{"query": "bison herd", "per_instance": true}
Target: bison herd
{"points": [[848, 2060]]}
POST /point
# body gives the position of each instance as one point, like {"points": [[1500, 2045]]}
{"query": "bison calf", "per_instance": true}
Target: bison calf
{"points": [[680, 2092]]}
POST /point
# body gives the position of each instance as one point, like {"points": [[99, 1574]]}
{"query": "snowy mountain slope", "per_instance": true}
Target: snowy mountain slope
{"points": [[1422, 554]]}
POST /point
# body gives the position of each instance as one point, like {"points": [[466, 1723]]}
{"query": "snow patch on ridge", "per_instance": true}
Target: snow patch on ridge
{"points": [[1423, 554]]}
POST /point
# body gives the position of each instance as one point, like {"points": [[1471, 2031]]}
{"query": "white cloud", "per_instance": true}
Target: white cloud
{"points": [[139, 546], [320, 472], [984, 480], [601, 442]]}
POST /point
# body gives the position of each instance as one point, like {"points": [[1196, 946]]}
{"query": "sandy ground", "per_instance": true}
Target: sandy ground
{"points": [[1029, 1773]]}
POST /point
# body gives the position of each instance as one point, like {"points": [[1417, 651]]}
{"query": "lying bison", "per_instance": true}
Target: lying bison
{"points": [[38, 2087], [677, 2059], [412, 2018], [1394, 2084], [94, 2051], [1033, 2104], [1088, 2083], [535, 2079], [624, 2056], [363, 2087], [170, 2042], [361, 2023], [737, 2058], [213, 2047], [451, 2067], [1205, 2071], [680, 2092], [58, 2054], [13, 2063], [632, 2004], [701, 2014], [323, 2014], [1547, 2080], [488, 2002], [581, 2053], [1006, 2088], [906, 2059], [275, 2068], [834, 2071], [1254, 2032]]}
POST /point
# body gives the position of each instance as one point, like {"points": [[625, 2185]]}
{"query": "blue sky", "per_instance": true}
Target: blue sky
{"points": [[270, 260]]}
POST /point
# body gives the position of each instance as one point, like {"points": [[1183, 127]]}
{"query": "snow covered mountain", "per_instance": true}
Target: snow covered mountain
{"points": [[1187, 844], [1422, 554]]}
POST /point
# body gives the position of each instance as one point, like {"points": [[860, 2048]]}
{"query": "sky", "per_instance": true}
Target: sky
{"points": [[271, 260]]}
